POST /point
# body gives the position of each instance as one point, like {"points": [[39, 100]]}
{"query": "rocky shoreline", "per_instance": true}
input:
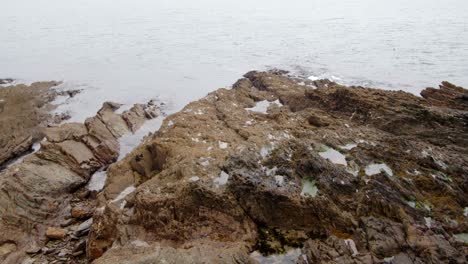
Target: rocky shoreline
{"points": [[276, 167]]}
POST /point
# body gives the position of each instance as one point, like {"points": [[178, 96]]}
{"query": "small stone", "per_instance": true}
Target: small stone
{"points": [[78, 253], [82, 211], [67, 222], [80, 246], [33, 250], [55, 233]]}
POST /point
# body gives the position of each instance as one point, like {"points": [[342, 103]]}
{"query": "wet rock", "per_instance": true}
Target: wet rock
{"points": [[56, 233], [223, 179], [23, 112], [40, 191]]}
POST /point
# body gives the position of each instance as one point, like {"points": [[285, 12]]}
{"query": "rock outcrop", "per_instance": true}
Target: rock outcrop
{"points": [[342, 174], [44, 208], [23, 111]]}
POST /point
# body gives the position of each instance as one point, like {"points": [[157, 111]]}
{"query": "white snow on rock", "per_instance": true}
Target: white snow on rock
{"points": [[222, 179], [97, 181], [262, 106], [139, 243], [374, 169], [465, 211], [334, 156]]}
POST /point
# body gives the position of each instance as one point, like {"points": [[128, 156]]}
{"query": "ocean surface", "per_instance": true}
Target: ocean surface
{"points": [[177, 51]]}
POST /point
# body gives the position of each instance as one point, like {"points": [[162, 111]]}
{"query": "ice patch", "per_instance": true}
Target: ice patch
{"points": [[262, 106], [290, 257], [222, 179], [334, 156], [374, 169], [352, 246], [97, 181], [309, 189]]}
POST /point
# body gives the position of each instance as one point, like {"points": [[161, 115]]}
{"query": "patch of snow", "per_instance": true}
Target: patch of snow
{"points": [[389, 259], [271, 171], [205, 163], [222, 145], [123, 108], [97, 181], [374, 169], [309, 189], [290, 257], [249, 122], [222, 179], [262, 106], [465, 211], [195, 140], [352, 246], [334, 156], [199, 112], [313, 78], [194, 179], [411, 204], [170, 123]]}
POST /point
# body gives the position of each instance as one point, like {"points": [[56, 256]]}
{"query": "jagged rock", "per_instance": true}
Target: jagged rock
{"points": [[23, 111], [56, 233], [37, 192], [347, 174]]}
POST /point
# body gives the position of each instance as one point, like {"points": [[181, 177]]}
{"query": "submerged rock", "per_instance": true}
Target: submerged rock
{"points": [[241, 170]]}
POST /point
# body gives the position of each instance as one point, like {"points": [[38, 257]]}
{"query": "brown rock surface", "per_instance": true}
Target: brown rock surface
{"points": [[56, 233], [347, 174], [44, 189], [23, 110]]}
